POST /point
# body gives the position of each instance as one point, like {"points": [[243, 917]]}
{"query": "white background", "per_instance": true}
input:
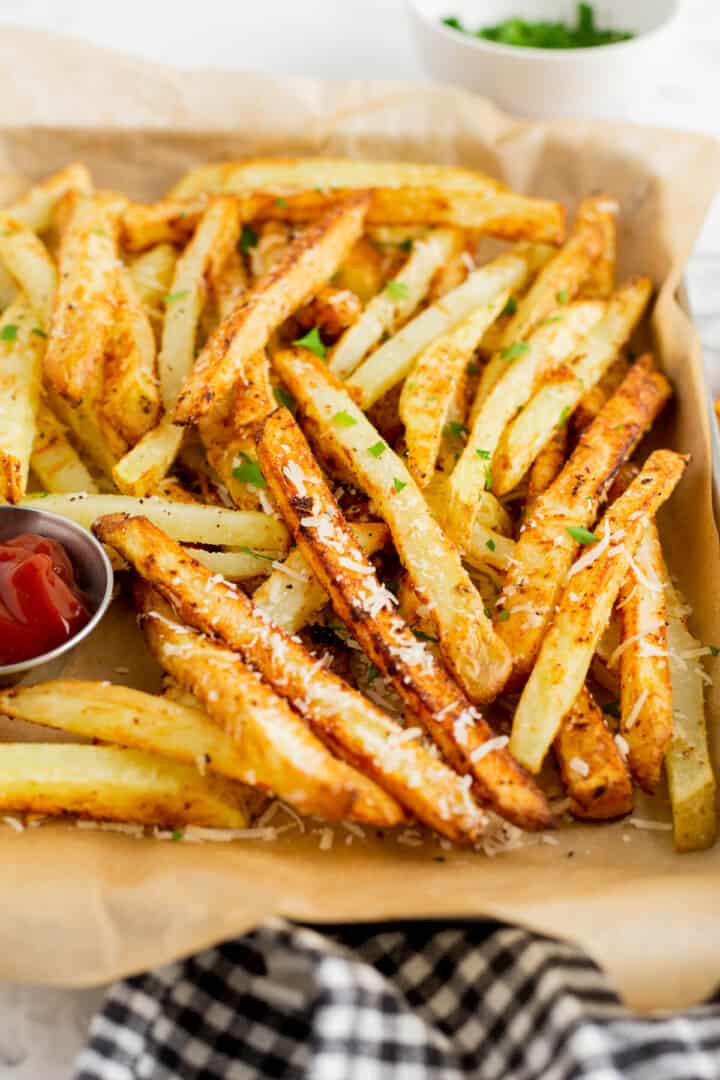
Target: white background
{"points": [[40, 1030]]}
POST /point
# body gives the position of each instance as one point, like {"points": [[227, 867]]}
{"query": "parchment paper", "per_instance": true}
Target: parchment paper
{"points": [[80, 907]]}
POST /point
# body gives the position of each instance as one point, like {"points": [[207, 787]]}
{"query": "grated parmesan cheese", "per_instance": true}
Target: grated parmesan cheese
{"points": [[580, 767], [497, 743], [636, 710]]}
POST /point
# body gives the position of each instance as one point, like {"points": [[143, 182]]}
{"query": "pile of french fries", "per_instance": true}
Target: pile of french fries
{"points": [[373, 491]]}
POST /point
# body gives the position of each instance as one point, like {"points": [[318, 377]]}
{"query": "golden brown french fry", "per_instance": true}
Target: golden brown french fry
{"points": [[545, 549], [36, 207], [29, 263], [331, 310], [54, 461], [600, 280], [593, 771], [228, 283], [353, 728], [645, 693], [169, 221], [556, 284], [131, 397], [392, 361], [473, 474], [292, 595], [277, 750], [560, 394], [366, 607], [584, 611], [308, 263], [394, 305], [547, 466], [152, 274], [20, 361], [471, 649], [111, 783], [592, 402]]}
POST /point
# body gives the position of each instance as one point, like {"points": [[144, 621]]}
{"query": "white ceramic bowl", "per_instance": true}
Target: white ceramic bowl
{"points": [[607, 80]]}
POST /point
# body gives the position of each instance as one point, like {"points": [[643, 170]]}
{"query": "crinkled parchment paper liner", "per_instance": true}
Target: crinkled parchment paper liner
{"points": [[80, 907]]}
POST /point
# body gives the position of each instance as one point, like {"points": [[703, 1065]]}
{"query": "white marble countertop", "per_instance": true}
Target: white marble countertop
{"points": [[42, 1029]]}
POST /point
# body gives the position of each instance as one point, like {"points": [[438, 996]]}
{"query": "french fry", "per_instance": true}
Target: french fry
{"points": [[331, 310], [27, 259], [391, 307], [20, 362], [277, 750], [273, 238], [691, 780], [152, 274], [169, 221], [353, 728], [131, 397], [228, 283], [54, 461], [111, 783], [470, 647], [36, 207], [196, 524], [545, 549], [400, 192], [591, 403], [234, 565], [600, 279], [8, 288], [546, 466], [473, 474], [391, 362], [366, 607], [309, 262], [292, 595], [556, 284], [561, 393], [646, 710], [593, 771], [584, 610], [491, 518], [427, 395]]}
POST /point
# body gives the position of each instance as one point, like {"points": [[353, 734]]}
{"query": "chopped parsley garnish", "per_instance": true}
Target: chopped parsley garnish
{"points": [[473, 368], [372, 674], [422, 636], [488, 476], [343, 419], [504, 615], [248, 239], [612, 708], [377, 449], [177, 834], [455, 430], [406, 244], [38, 332], [283, 397], [484, 454], [313, 342], [8, 332], [257, 554], [511, 352], [281, 203], [490, 544], [398, 290], [562, 296], [562, 419], [399, 484], [714, 649], [248, 472], [583, 536], [546, 34], [171, 297], [511, 306]]}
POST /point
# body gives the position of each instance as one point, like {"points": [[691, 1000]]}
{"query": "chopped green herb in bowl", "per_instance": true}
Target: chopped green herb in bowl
{"points": [[545, 34]]}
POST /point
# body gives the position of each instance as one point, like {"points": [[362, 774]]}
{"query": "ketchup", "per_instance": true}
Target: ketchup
{"points": [[41, 605]]}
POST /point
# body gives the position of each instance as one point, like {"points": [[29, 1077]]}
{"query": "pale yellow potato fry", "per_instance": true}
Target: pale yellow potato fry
{"points": [[140, 470], [367, 609], [110, 783], [392, 361], [27, 259], [400, 192], [152, 274], [36, 207], [353, 728], [547, 347], [489, 548], [394, 305], [196, 524], [54, 461], [172, 490], [560, 394], [427, 394], [491, 517], [592, 402], [8, 288], [272, 241], [131, 396], [556, 284], [470, 647], [593, 771], [228, 283], [584, 610], [646, 719], [691, 780], [20, 362], [234, 565], [309, 262], [545, 550], [291, 596], [600, 279]]}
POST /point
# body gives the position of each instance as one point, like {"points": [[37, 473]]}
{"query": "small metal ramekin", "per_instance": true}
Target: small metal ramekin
{"points": [[93, 574]]}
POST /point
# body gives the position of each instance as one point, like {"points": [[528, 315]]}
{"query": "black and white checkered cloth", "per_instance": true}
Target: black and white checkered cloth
{"points": [[413, 1002]]}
